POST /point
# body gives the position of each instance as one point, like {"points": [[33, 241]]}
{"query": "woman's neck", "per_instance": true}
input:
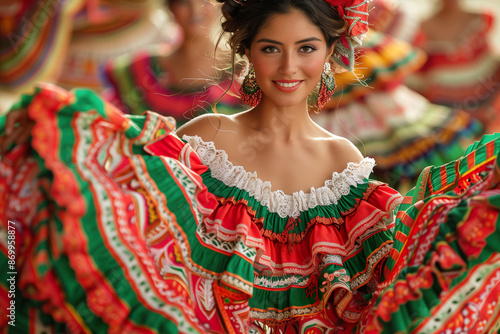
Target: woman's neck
{"points": [[450, 8], [196, 47], [286, 124]]}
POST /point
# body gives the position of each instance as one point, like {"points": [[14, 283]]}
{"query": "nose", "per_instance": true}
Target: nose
{"points": [[289, 64]]}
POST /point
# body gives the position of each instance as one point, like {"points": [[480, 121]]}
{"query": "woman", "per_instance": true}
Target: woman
{"points": [[235, 253], [184, 83]]}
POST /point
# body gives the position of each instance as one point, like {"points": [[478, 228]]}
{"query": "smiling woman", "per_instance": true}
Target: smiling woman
{"points": [[259, 222], [288, 55]]}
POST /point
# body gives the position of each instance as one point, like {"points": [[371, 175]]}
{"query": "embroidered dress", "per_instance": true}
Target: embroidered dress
{"points": [[309, 243], [137, 84], [134, 229], [463, 74], [396, 126], [443, 273]]}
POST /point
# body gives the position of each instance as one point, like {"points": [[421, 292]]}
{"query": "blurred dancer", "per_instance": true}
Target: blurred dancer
{"points": [[462, 69], [34, 37], [181, 84], [395, 18], [106, 29], [65, 41]]}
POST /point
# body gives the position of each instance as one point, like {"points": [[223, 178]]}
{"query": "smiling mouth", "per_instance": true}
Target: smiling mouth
{"points": [[287, 84]]}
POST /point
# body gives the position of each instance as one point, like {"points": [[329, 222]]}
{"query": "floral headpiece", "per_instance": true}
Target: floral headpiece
{"points": [[355, 13]]}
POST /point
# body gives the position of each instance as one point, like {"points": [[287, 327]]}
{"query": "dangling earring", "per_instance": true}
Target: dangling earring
{"points": [[249, 91], [327, 86]]}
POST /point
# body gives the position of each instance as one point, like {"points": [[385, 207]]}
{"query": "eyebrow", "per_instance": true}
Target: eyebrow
{"points": [[265, 40]]}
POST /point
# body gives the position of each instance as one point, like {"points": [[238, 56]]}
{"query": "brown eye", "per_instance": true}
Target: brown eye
{"points": [[307, 49], [270, 49]]}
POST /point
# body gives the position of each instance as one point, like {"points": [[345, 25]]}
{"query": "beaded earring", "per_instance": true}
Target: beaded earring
{"points": [[249, 91], [327, 86]]}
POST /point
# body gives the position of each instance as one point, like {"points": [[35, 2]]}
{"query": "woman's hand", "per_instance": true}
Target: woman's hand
{"points": [[18, 127]]}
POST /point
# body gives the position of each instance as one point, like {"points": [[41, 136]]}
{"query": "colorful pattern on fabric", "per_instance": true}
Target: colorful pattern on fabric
{"points": [[80, 258], [110, 30], [179, 239], [208, 244], [463, 74], [382, 62], [137, 85], [33, 40], [443, 274], [327, 245], [355, 13]]}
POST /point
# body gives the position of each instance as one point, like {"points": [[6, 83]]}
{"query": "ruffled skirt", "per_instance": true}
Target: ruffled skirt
{"points": [[110, 236]]}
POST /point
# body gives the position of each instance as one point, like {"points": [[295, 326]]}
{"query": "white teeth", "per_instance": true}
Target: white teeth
{"points": [[288, 85]]}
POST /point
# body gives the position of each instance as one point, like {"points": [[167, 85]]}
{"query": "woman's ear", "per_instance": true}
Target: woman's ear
{"points": [[247, 53], [336, 68], [330, 51]]}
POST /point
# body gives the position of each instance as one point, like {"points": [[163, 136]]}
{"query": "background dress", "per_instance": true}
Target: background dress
{"points": [[134, 229], [67, 41], [136, 83], [463, 74]]}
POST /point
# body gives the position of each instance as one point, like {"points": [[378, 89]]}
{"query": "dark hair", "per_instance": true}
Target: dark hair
{"points": [[244, 18]]}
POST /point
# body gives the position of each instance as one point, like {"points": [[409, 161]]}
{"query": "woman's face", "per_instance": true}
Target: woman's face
{"points": [[288, 54], [194, 16]]}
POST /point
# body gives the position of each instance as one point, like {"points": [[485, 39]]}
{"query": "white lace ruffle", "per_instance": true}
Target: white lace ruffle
{"points": [[277, 201]]}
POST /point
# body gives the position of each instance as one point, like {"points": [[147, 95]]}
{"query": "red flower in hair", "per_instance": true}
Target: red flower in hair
{"points": [[355, 12]]}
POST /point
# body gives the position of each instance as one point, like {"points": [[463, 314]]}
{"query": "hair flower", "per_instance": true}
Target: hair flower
{"points": [[355, 12]]}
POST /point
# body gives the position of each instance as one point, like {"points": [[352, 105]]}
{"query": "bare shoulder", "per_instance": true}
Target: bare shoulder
{"points": [[339, 148], [206, 126], [341, 152], [346, 149]]}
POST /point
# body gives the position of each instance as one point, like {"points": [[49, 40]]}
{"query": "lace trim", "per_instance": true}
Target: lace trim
{"points": [[370, 266], [277, 201], [280, 316], [281, 281]]}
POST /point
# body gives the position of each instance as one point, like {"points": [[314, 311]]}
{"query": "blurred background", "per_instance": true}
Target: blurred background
{"points": [[425, 8], [68, 41]]}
